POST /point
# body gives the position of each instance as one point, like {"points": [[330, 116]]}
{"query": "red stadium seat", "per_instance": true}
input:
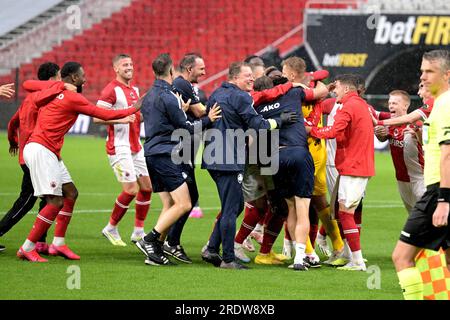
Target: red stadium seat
{"points": [[223, 31]]}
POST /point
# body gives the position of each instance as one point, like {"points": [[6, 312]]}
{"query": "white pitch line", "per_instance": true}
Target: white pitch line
{"points": [[204, 208]]}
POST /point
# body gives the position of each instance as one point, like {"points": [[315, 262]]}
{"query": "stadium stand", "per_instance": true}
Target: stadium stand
{"points": [[223, 31]]}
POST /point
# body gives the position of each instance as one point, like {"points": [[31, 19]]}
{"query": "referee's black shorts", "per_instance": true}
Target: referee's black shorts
{"points": [[419, 230]]}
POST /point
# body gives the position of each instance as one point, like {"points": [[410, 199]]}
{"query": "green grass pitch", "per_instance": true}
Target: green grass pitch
{"points": [[107, 272]]}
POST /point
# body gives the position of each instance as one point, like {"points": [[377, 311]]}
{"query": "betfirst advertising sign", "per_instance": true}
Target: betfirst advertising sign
{"points": [[346, 42], [420, 30]]}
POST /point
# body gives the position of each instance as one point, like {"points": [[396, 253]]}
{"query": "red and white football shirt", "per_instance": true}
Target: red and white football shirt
{"points": [[407, 154], [121, 137]]}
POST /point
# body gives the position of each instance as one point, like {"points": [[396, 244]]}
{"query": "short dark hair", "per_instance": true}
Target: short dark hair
{"points": [[263, 83], [235, 69], [254, 60], [442, 55], [162, 64], [70, 68], [188, 61], [47, 70], [350, 80], [119, 57]]}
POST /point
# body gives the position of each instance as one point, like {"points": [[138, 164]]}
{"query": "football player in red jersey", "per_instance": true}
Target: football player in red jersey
{"points": [[125, 152]]}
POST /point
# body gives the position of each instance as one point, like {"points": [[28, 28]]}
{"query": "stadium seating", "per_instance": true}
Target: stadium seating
{"points": [[222, 31]]}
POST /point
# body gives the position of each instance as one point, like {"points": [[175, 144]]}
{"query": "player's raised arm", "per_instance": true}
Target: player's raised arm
{"points": [[341, 121], [83, 106]]}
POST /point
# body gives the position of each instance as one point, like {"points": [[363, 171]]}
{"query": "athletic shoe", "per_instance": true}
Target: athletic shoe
{"points": [[267, 259], [233, 265], [322, 246], [62, 251], [278, 256], [136, 236], [154, 252], [42, 248], [299, 266], [2, 248], [257, 235], [177, 252], [32, 255], [114, 238], [212, 257], [205, 247], [312, 260], [337, 259], [288, 249], [248, 245], [240, 254], [351, 266], [196, 212]]}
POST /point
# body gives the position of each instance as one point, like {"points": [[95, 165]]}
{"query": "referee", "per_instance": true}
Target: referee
{"points": [[237, 113], [427, 225]]}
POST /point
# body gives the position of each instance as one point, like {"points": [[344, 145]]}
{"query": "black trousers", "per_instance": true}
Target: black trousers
{"points": [[22, 205]]}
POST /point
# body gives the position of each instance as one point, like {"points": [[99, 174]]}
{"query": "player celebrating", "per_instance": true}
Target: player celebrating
{"points": [[49, 175], [294, 69], [295, 176], [125, 152], [191, 67], [352, 129], [20, 128], [164, 112], [406, 151]]}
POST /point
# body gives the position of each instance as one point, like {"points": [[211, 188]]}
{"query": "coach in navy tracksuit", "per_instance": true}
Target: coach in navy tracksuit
{"points": [[294, 180], [237, 113], [191, 67], [163, 113]]}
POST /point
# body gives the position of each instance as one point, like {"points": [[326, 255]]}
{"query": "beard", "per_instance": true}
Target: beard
{"points": [[80, 88]]}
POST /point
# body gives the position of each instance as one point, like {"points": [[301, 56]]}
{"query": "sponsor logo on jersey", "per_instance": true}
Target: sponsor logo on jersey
{"points": [[270, 107], [429, 30]]}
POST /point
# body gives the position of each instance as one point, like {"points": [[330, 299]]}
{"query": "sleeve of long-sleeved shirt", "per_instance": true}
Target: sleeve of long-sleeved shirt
{"points": [[315, 115], [341, 121], [379, 115], [36, 85], [43, 97], [179, 119], [327, 105], [244, 107], [13, 126], [186, 90], [81, 105], [271, 94], [383, 115]]}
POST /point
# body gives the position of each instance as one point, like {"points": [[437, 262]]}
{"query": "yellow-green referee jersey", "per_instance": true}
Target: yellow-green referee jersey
{"points": [[436, 130]]}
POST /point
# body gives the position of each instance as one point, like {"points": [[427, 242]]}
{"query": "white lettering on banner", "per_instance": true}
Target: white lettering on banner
{"points": [[410, 5], [431, 30]]}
